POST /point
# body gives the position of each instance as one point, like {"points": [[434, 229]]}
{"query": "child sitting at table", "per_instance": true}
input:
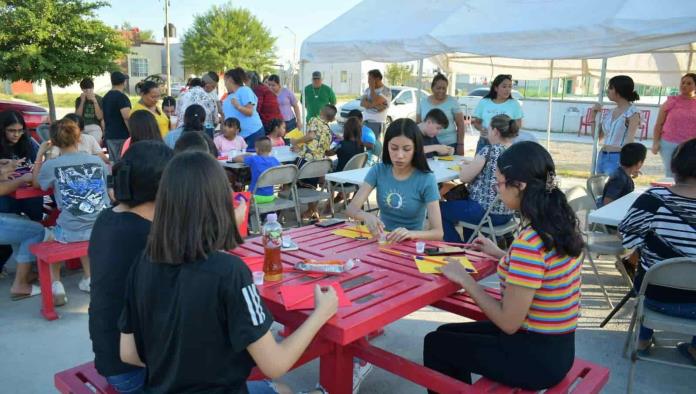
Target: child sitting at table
{"points": [[230, 139], [350, 145], [435, 121], [277, 132], [620, 182], [259, 163], [78, 180], [88, 143]]}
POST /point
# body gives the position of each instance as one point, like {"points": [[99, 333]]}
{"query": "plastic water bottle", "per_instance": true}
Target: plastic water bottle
{"points": [[272, 234]]}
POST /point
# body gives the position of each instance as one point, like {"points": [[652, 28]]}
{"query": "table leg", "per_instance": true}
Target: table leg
{"points": [[47, 309], [336, 371]]}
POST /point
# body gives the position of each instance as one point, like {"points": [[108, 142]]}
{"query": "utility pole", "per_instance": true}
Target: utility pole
{"points": [[166, 46], [294, 58]]}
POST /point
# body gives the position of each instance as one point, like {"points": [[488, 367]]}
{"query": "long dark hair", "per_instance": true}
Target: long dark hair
{"points": [[352, 131], [143, 126], [137, 175], [500, 78], [409, 129], [194, 216], [194, 118], [543, 204], [23, 148]]}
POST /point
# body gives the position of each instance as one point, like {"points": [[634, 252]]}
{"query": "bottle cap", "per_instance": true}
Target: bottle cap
{"points": [[272, 217]]}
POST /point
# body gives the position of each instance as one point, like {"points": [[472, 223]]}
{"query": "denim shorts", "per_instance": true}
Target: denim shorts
{"points": [[20, 232], [65, 237], [129, 382], [608, 162], [261, 387]]}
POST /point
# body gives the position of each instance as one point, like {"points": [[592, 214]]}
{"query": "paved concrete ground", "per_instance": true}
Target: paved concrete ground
{"points": [[34, 349]]}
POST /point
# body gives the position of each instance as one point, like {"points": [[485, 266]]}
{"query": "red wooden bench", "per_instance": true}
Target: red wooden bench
{"points": [[461, 304], [48, 253], [583, 377]]}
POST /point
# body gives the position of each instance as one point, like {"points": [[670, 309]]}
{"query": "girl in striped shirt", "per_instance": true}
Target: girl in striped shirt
{"points": [[661, 224], [529, 340]]}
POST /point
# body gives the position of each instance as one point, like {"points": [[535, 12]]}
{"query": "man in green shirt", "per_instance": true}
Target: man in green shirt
{"points": [[89, 107], [316, 96]]}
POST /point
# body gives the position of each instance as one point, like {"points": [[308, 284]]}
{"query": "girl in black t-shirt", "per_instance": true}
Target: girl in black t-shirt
{"points": [[119, 235], [193, 315]]}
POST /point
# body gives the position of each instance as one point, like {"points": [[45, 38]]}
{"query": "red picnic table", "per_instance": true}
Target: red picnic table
{"points": [[28, 191], [383, 288]]}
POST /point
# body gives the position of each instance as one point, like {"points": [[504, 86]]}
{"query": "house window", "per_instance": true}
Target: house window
{"points": [[138, 67], [344, 76]]}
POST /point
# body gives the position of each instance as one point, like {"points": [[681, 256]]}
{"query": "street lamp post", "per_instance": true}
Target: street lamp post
{"points": [[167, 48], [294, 57]]}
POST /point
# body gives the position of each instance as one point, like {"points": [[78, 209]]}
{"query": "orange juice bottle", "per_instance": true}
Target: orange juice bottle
{"points": [[272, 238]]}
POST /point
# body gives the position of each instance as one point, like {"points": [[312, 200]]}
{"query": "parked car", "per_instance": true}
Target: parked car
{"points": [[403, 104], [469, 102], [178, 88], [33, 114]]}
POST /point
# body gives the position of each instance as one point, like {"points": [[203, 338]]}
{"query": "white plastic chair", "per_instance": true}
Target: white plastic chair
{"points": [[678, 273]]}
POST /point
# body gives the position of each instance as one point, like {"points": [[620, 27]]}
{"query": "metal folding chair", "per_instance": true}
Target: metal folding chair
{"points": [[276, 176], [300, 195]]}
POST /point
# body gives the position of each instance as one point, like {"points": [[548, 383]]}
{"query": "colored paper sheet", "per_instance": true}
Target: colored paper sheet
{"points": [[354, 232], [302, 296], [430, 264], [455, 168], [446, 158]]}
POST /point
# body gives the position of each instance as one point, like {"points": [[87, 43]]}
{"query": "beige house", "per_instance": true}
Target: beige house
{"points": [[144, 59]]}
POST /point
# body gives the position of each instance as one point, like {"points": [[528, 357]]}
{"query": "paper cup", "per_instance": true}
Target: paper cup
{"points": [[258, 277]]}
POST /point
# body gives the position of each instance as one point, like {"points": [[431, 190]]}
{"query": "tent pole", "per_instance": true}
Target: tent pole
{"points": [[595, 129], [302, 115], [548, 115], [420, 87]]}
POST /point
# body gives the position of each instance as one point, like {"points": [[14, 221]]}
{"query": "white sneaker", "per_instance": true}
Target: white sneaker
{"points": [[359, 373], [85, 284], [59, 297]]}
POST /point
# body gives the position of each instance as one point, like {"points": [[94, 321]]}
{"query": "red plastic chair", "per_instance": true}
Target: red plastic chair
{"points": [[644, 122], [585, 122], [244, 226]]}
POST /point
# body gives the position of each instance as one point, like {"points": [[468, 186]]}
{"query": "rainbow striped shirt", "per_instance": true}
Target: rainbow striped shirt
{"points": [[555, 279]]}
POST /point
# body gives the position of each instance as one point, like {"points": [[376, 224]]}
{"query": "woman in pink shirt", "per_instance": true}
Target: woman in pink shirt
{"points": [[676, 121]]}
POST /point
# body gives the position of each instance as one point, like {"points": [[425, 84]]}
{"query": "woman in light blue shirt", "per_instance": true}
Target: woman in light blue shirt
{"points": [[498, 101], [453, 135], [241, 104], [406, 189]]}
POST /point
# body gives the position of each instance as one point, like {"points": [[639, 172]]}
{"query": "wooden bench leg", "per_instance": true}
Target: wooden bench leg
{"points": [[47, 309], [336, 371]]}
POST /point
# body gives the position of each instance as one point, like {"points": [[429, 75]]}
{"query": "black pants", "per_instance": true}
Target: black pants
{"points": [[526, 360]]}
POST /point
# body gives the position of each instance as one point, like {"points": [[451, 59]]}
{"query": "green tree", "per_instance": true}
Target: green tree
{"points": [[57, 41], [227, 37], [398, 74]]}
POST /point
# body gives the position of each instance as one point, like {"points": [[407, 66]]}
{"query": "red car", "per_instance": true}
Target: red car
{"points": [[33, 114]]}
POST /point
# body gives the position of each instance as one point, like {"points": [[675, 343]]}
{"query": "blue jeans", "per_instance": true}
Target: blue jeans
{"points": [[129, 382], [608, 162], [291, 124], [666, 150], [469, 211], [251, 139], [261, 387], [687, 311], [482, 142], [20, 232]]}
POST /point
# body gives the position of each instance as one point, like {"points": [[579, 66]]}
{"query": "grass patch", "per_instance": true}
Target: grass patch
{"points": [[643, 180], [60, 99]]}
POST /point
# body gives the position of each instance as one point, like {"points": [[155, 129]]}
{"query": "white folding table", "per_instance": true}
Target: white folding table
{"points": [[441, 169], [613, 213], [282, 153]]}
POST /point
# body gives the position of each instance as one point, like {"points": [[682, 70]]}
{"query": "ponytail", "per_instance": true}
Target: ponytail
{"points": [[194, 118], [506, 126], [542, 204]]}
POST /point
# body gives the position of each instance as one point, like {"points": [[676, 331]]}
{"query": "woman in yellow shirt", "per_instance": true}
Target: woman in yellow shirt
{"points": [[149, 96]]}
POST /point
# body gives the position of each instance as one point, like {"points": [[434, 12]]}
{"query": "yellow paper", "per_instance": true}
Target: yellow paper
{"points": [[430, 267], [446, 158], [294, 134], [354, 232], [455, 168]]}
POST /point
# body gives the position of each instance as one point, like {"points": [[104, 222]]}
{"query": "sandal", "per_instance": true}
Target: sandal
{"points": [[683, 348], [35, 290]]}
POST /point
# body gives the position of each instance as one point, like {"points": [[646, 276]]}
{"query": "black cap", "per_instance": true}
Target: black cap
{"points": [[118, 78], [316, 75]]}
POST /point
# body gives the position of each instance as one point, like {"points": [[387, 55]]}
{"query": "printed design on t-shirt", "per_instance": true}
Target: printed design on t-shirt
{"points": [[81, 188], [253, 302], [394, 200]]}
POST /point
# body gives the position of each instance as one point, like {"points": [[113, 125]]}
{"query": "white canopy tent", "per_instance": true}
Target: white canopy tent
{"points": [[529, 38]]}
